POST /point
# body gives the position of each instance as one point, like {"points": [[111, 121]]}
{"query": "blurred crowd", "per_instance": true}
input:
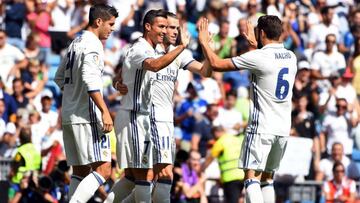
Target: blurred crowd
{"points": [[210, 113]]}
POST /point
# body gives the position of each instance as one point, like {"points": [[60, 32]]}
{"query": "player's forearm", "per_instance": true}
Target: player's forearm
{"points": [[157, 64], [217, 64], [99, 101], [206, 69]]}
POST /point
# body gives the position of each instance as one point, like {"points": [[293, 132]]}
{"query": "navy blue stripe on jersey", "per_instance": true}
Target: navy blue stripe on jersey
{"points": [[96, 130], [138, 89], [152, 122], [135, 138], [186, 65], [134, 92], [93, 131], [155, 133], [92, 91], [254, 121], [232, 60]]}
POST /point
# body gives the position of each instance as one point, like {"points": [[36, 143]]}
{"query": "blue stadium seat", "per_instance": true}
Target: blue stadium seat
{"points": [[54, 62], [355, 156]]}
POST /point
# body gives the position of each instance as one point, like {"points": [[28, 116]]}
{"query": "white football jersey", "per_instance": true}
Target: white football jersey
{"points": [[136, 78], [80, 73], [163, 84], [273, 69]]}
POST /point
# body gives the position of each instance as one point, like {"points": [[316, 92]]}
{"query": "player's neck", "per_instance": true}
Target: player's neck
{"points": [[94, 31], [269, 41], [148, 39]]}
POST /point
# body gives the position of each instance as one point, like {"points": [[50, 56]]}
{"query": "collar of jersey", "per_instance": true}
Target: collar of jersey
{"points": [[274, 45], [143, 40], [91, 34]]}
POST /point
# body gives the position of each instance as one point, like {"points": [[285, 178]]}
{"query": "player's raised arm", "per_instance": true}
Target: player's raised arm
{"points": [[159, 63], [215, 62], [203, 69]]}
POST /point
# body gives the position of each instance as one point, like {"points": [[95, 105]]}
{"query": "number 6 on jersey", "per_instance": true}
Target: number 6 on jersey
{"points": [[282, 85]]}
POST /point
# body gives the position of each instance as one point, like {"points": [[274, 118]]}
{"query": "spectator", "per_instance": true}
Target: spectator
{"points": [[9, 112], [26, 160], [323, 172], [304, 126], [304, 85], [12, 59], [39, 22], [34, 87], [193, 180], [14, 20], [48, 116], [226, 149], [253, 12], [202, 137], [318, 32], [224, 46], [340, 188], [8, 141], [326, 62], [192, 107], [19, 93], [229, 117], [242, 45], [61, 13], [32, 48], [336, 127]]}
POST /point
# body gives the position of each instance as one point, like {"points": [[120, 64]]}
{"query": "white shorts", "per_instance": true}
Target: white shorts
{"points": [[134, 146], [162, 135], [85, 144], [262, 152]]}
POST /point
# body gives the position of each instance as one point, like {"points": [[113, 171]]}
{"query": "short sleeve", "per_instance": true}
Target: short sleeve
{"points": [[139, 54], [186, 59], [18, 55], [246, 60], [91, 71]]}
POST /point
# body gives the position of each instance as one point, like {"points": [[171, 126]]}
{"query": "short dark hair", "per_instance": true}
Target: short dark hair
{"points": [[102, 11], [336, 164], [271, 25], [25, 135], [171, 14], [17, 80], [152, 14], [231, 93], [325, 10]]}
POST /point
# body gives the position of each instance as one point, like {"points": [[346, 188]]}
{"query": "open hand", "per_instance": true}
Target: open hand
{"points": [[203, 26], [249, 34], [185, 38]]}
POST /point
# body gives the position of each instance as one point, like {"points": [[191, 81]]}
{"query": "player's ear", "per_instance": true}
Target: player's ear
{"points": [[147, 27], [98, 22], [262, 33]]}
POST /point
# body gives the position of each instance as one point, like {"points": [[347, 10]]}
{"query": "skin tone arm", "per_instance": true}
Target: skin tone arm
{"points": [[157, 64], [222, 65], [201, 69]]}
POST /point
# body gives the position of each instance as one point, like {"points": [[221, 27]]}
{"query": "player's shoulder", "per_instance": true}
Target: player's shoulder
{"points": [[141, 46]]}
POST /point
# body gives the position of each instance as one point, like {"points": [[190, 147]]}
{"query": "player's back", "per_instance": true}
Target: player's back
{"points": [[83, 62], [273, 71]]}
